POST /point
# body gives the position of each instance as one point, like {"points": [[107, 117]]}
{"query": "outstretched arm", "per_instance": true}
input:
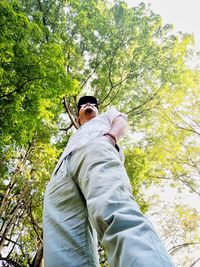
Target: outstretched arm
{"points": [[119, 127]]}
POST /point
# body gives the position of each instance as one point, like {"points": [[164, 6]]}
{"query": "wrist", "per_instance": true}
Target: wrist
{"points": [[112, 137]]}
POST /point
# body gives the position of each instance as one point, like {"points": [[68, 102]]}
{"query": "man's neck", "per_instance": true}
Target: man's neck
{"points": [[82, 122]]}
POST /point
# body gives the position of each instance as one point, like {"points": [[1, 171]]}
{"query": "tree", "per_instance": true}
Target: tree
{"points": [[53, 51], [33, 80], [178, 227]]}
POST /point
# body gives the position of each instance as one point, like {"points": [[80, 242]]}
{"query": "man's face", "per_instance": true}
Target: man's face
{"points": [[87, 112]]}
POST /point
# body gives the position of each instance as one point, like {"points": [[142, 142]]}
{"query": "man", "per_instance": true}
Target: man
{"points": [[90, 193]]}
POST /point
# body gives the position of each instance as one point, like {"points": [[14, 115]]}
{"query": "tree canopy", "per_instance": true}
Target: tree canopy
{"points": [[54, 51]]}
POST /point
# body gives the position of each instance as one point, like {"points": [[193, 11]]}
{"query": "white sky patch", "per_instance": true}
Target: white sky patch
{"points": [[184, 15], [171, 195]]}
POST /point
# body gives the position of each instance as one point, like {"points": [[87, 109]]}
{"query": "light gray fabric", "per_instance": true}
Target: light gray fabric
{"points": [[91, 190], [92, 129]]}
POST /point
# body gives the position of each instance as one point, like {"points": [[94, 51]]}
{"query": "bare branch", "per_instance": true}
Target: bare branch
{"points": [[188, 185], [66, 129], [90, 75], [43, 18], [18, 89], [194, 263], [10, 240], [144, 103], [175, 248], [34, 224], [69, 112], [38, 256], [14, 244]]}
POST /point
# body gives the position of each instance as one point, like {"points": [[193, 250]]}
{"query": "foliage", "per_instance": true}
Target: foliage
{"points": [[138, 170], [179, 228], [33, 80], [57, 50]]}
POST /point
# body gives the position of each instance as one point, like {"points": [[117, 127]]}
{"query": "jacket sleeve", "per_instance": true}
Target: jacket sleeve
{"points": [[112, 113]]}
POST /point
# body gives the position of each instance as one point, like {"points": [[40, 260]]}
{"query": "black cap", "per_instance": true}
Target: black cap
{"points": [[87, 99]]}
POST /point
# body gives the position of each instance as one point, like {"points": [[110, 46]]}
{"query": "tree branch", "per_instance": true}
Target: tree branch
{"points": [[69, 112], [18, 89], [144, 103], [194, 263], [175, 248], [38, 256], [34, 224]]}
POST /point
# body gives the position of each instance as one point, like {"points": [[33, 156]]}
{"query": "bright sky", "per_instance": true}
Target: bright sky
{"points": [[183, 14]]}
